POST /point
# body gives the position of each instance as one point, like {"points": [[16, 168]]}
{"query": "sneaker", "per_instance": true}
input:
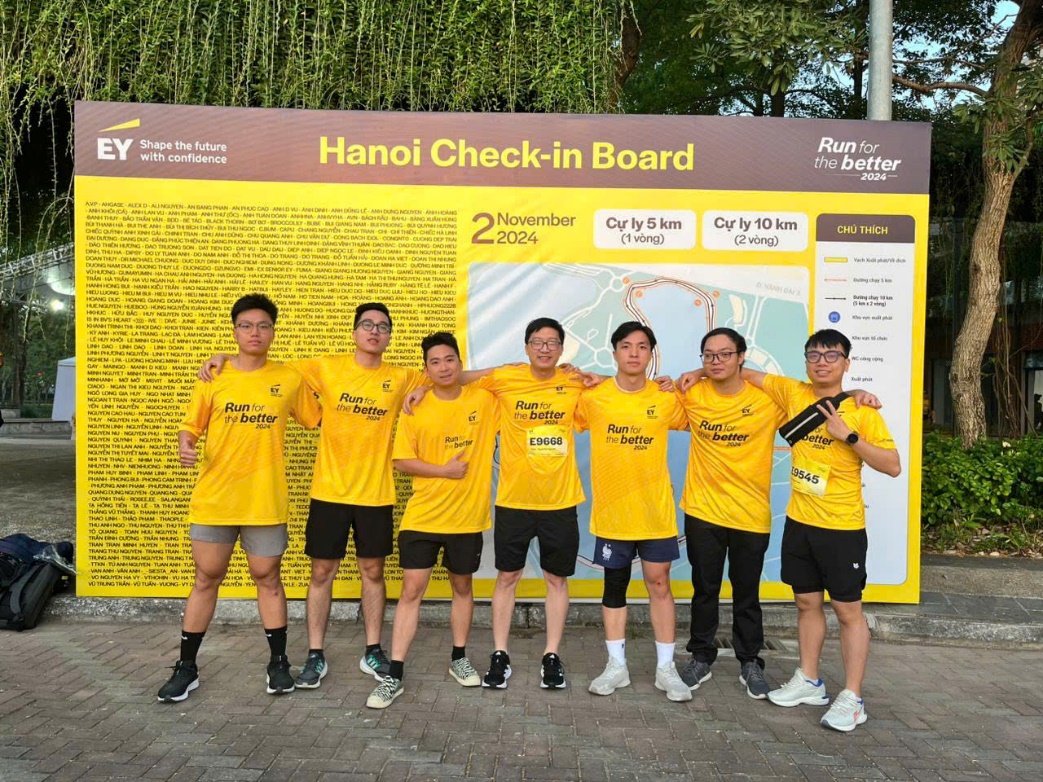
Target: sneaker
{"points": [[611, 679], [799, 689], [313, 672], [385, 693], [184, 680], [752, 677], [553, 672], [846, 713], [667, 680], [279, 679], [464, 673], [376, 664], [499, 671], [695, 673]]}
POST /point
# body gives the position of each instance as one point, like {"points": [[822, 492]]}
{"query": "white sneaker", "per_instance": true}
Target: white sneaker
{"points": [[669, 681], [800, 689], [611, 679], [464, 673], [846, 713]]}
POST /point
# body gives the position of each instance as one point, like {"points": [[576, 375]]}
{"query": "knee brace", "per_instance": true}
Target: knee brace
{"points": [[616, 582]]}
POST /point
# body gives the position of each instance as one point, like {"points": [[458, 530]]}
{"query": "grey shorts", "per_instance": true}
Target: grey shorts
{"points": [[269, 540]]}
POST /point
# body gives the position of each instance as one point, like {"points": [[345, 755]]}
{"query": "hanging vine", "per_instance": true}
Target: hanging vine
{"points": [[419, 55]]}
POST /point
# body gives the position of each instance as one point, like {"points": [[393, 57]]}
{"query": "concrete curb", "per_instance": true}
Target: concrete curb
{"points": [[887, 622]]}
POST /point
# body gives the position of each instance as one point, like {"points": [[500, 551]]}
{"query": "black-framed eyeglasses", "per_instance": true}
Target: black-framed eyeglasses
{"points": [[831, 356], [368, 325], [723, 357]]}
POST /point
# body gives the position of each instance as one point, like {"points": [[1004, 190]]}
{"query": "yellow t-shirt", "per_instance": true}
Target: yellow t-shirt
{"points": [[242, 479], [826, 474], [435, 433], [633, 498], [537, 439], [359, 406], [728, 481]]}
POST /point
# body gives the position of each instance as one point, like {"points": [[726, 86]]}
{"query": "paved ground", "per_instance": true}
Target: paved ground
{"points": [[38, 488], [77, 701]]}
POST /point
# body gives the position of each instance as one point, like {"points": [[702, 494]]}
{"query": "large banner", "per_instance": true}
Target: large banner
{"points": [[477, 224]]}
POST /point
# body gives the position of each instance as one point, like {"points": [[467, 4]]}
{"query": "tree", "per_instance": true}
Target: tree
{"points": [[1008, 111]]}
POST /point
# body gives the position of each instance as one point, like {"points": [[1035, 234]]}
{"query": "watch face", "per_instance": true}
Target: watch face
{"points": [[852, 438]]}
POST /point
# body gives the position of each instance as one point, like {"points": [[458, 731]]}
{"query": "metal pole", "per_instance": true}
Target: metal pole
{"points": [[881, 39]]}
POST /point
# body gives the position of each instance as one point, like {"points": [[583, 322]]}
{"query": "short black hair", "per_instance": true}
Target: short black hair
{"points": [[439, 338], [544, 323], [254, 301], [628, 328], [737, 339], [828, 338], [368, 306]]}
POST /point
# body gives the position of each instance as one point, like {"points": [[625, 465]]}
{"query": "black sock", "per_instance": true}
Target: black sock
{"points": [[459, 653], [190, 645], [318, 653], [398, 669], [370, 648], [276, 641]]}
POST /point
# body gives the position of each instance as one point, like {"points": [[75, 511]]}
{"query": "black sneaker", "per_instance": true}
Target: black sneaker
{"points": [[553, 672], [376, 664], [753, 677], [313, 672], [279, 679], [499, 671], [184, 680], [695, 673]]}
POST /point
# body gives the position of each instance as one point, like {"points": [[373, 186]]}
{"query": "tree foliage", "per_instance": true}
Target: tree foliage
{"points": [[418, 55]]}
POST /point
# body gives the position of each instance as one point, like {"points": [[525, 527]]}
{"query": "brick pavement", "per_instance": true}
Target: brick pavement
{"points": [[77, 702]]}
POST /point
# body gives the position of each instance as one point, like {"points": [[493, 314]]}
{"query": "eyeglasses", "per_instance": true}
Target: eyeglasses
{"points": [[263, 328], [831, 356], [368, 325], [723, 357], [540, 344]]}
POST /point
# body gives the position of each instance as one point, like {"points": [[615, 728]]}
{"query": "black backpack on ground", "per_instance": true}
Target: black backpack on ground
{"points": [[30, 572]]}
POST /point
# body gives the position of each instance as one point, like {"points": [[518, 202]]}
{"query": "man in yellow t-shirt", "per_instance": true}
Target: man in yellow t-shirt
{"points": [[538, 491], [447, 446], [727, 506], [241, 491], [824, 543], [353, 488], [632, 513]]}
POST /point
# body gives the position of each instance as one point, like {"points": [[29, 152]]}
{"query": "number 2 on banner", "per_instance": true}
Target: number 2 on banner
{"points": [[489, 223]]}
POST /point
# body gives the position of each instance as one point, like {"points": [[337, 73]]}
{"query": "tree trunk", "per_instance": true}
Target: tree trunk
{"points": [[778, 104], [983, 296], [630, 47]]}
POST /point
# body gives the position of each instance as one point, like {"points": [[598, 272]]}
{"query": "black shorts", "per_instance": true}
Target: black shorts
{"points": [[816, 559], [326, 535], [556, 530], [461, 552]]}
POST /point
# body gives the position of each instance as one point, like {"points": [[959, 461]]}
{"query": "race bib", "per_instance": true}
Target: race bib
{"points": [[548, 441], [809, 477]]}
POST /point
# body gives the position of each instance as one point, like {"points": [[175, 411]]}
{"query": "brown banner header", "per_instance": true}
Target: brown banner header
{"points": [[501, 150], [888, 229]]}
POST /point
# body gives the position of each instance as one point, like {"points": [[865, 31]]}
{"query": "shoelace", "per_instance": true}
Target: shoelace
{"points": [[386, 688], [795, 683], [498, 664], [465, 668]]}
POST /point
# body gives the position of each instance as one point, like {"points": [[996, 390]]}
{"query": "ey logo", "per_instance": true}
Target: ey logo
{"points": [[116, 148], [473, 417], [386, 385], [650, 412]]}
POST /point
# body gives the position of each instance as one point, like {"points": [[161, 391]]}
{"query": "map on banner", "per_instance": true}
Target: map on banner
{"points": [[680, 302]]}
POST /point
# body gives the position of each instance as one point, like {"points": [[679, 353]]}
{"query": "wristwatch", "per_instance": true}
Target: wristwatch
{"points": [[852, 438]]}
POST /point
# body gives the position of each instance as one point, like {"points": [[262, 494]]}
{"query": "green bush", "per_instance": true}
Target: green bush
{"points": [[36, 410], [988, 496]]}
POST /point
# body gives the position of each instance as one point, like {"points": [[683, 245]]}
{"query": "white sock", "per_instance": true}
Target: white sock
{"points": [[664, 653], [617, 651]]}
